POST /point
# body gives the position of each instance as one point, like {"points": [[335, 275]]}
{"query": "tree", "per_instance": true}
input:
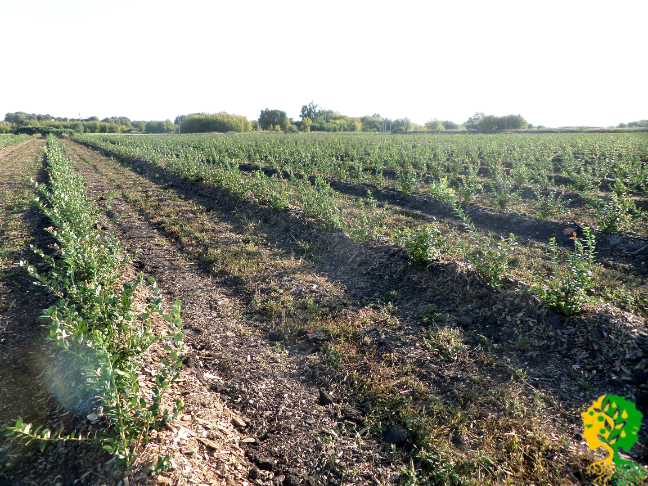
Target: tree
{"points": [[515, 122], [273, 117], [435, 125], [156, 126], [490, 122], [309, 111], [450, 125], [473, 121], [370, 123], [306, 124], [401, 125], [217, 122]]}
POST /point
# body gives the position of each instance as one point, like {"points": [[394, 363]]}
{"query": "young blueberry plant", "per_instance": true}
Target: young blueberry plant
{"points": [[423, 245], [102, 333], [488, 255], [568, 287]]}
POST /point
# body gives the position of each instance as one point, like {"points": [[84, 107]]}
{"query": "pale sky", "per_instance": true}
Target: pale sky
{"points": [[558, 63]]}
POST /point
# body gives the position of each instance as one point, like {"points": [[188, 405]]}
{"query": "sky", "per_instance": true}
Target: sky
{"points": [[557, 63]]}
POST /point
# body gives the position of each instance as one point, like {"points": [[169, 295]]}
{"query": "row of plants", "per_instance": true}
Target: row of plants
{"points": [[592, 175], [566, 288], [104, 328], [7, 140], [315, 198]]}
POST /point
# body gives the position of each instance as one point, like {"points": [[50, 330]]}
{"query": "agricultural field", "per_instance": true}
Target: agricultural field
{"points": [[336, 309], [10, 139]]}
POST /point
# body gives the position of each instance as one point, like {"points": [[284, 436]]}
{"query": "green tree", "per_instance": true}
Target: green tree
{"points": [[306, 124], [217, 122], [309, 111], [273, 117], [473, 121], [401, 125], [450, 125], [490, 122], [370, 123], [434, 125], [154, 127], [515, 122]]}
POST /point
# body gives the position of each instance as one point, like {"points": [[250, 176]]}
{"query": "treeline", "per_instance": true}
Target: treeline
{"points": [[314, 118], [481, 121], [634, 124], [217, 122], [31, 123]]}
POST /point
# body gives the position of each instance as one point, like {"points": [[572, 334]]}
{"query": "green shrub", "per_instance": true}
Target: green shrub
{"points": [[488, 255], [423, 245], [568, 287], [549, 205], [218, 122], [440, 189], [408, 181], [614, 214]]}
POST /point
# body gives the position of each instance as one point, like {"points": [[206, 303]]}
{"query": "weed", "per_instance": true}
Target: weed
{"points": [[430, 314], [489, 256], [522, 344], [447, 341], [486, 343], [369, 227]]}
